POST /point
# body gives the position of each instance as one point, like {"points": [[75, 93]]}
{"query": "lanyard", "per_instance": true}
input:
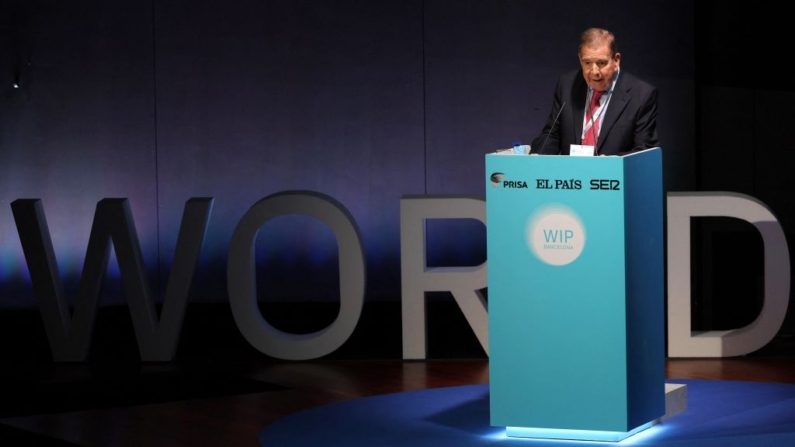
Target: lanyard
{"points": [[597, 113], [602, 106]]}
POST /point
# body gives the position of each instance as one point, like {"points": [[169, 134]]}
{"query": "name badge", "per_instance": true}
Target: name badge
{"points": [[581, 151]]}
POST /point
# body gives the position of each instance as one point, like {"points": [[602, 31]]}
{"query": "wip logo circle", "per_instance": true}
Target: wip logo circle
{"points": [[555, 235], [496, 178]]}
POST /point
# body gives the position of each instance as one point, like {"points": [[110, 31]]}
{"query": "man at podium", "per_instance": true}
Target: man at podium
{"points": [[599, 109]]}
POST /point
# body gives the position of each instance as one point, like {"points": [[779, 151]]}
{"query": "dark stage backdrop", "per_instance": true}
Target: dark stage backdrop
{"points": [[159, 101]]}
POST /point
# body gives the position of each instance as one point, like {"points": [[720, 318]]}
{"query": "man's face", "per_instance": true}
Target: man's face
{"points": [[598, 67]]}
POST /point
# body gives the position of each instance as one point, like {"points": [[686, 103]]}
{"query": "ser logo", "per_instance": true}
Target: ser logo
{"points": [[498, 178], [606, 184]]}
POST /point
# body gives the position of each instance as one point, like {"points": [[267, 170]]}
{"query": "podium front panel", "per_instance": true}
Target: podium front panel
{"points": [[557, 254]]}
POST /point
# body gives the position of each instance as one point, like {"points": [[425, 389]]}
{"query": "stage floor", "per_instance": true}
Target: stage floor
{"points": [[224, 403], [719, 413]]}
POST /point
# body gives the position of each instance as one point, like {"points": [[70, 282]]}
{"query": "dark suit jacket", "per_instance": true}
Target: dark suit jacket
{"points": [[630, 123]]}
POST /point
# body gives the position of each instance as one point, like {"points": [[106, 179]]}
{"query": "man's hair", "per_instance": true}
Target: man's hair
{"points": [[596, 37]]}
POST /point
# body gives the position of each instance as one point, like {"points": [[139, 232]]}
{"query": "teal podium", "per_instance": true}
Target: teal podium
{"points": [[575, 294]]}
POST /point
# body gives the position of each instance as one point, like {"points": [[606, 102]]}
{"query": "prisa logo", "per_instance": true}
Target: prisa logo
{"points": [[498, 178], [514, 184]]}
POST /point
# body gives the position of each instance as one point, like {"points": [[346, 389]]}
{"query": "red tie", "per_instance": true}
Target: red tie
{"points": [[592, 134]]}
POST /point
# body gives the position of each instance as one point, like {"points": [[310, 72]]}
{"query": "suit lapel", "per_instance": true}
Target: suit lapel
{"points": [[579, 95], [618, 102]]}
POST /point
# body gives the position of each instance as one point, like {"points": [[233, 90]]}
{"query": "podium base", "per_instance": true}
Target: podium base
{"points": [[675, 403]]}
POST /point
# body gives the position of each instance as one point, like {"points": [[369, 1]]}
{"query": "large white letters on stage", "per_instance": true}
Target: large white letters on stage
{"points": [[682, 341], [69, 336], [465, 283], [242, 282]]}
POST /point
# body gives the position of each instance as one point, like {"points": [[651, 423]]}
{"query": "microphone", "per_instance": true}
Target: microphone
{"points": [[554, 123]]}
